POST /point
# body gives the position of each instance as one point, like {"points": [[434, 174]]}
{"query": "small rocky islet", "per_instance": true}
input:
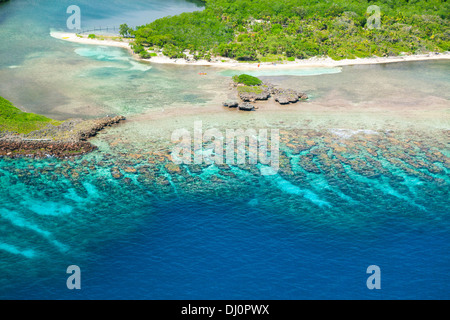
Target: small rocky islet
{"points": [[249, 89]]}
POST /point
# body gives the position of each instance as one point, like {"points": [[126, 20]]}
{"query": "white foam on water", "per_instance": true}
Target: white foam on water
{"points": [[28, 253]]}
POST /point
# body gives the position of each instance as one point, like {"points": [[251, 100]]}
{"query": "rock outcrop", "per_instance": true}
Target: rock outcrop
{"points": [[98, 125], [66, 140], [288, 96], [263, 92], [231, 104], [253, 96], [42, 149], [246, 106]]}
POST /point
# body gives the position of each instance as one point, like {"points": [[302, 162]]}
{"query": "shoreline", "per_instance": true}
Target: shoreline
{"points": [[315, 62]]}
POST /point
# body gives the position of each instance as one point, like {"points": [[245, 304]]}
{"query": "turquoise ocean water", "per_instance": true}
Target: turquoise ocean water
{"points": [[363, 178]]}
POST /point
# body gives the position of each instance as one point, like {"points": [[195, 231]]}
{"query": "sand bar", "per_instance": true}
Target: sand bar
{"points": [[232, 64]]}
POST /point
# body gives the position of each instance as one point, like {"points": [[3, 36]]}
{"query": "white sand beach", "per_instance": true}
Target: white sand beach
{"points": [[233, 64]]}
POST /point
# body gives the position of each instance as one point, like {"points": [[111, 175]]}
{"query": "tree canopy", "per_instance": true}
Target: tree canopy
{"points": [[265, 30]]}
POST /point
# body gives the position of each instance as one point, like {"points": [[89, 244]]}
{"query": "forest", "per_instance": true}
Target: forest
{"points": [[266, 30]]}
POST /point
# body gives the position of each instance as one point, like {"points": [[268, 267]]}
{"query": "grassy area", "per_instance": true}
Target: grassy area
{"points": [[15, 120], [250, 89]]}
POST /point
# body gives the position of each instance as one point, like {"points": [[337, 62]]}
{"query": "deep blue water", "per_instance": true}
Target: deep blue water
{"points": [[228, 251], [131, 245]]}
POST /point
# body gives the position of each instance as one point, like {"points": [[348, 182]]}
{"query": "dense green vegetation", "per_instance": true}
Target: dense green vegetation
{"points": [[125, 30], [267, 30], [247, 80], [15, 120]]}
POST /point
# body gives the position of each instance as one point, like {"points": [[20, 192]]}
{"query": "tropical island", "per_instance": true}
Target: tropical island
{"points": [[291, 33], [267, 34], [33, 135], [270, 31]]}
